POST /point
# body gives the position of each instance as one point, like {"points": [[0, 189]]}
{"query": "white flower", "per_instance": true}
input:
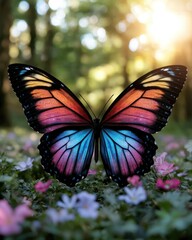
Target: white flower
{"points": [[24, 165], [67, 202], [87, 206], [188, 146], [58, 216], [84, 203], [134, 195]]}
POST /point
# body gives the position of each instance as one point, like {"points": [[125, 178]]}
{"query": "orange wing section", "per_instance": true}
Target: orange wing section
{"points": [[147, 103], [48, 104]]}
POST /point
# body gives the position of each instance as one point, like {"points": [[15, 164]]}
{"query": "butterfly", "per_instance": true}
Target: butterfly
{"points": [[123, 135]]}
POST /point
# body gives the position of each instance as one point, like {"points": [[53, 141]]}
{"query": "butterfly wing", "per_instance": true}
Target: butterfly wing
{"points": [[48, 104], [51, 108], [126, 152], [127, 147], [147, 103], [67, 153]]}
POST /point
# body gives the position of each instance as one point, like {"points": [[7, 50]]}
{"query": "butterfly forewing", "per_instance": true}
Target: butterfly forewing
{"points": [[147, 103], [48, 104]]}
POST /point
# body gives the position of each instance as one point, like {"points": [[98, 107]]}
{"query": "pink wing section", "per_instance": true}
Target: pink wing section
{"points": [[126, 152], [58, 109], [147, 103], [48, 104], [67, 154]]}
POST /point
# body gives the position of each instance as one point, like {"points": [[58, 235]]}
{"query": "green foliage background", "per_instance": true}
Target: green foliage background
{"points": [[97, 48]]}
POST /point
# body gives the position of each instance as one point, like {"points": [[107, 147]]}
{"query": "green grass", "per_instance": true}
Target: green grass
{"points": [[164, 215]]}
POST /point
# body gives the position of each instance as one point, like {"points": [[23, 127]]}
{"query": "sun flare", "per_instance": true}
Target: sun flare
{"points": [[166, 26]]}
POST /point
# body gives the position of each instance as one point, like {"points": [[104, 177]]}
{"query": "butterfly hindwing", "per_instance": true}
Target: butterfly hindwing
{"points": [[67, 153], [147, 103], [126, 152], [48, 104]]}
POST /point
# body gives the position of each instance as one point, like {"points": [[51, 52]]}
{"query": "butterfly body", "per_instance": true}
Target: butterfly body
{"points": [[71, 137]]}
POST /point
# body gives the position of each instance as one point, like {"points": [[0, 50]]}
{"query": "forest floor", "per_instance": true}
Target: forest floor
{"points": [[34, 205]]}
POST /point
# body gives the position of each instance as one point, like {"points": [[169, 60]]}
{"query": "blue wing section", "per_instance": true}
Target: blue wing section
{"points": [[126, 152], [67, 154]]}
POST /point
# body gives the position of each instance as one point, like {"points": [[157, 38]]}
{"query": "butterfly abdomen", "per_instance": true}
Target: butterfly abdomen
{"points": [[97, 130]]}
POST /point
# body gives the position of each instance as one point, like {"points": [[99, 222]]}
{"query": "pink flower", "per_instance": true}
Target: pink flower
{"points": [[11, 219], [163, 167], [182, 153], [92, 172], [168, 184], [160, 159], [172, 146], [27, 145], [167, 138], [42, 187], [134, 180], [26, 201]]}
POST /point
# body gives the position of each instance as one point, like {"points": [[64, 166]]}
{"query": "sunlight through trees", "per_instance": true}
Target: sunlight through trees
{"points": [[98, 47]]}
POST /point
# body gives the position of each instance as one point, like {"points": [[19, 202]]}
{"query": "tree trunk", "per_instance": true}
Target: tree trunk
{"points": [[32, 17], [126, 54], [5, 24], [48, 44]]}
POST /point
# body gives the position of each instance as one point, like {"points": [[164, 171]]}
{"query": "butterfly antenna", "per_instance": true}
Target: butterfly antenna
{"points": [[88, 105], [105, 106]]}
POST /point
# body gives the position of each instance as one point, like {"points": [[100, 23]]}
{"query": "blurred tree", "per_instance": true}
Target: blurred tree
{"points": [[96, 47], [47, 52], [76, 49], [48, 43], [31, 20], [5, 24], [122, 25]]}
